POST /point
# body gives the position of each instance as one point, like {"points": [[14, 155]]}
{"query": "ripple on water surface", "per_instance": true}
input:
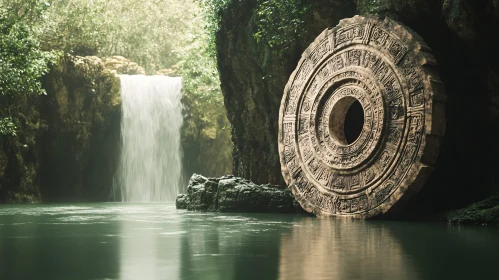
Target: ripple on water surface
{"points": [[121, 241]]}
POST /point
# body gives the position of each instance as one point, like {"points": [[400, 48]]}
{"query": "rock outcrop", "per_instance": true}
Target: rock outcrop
{"points": [[462, 34], [80, 147], [121, 65], [485, 212], [253, 79], [233, 194], [20, 154], [67, 141]]}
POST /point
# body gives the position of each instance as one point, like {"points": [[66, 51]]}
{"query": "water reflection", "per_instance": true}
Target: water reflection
{"points": [[55, 243], [450, 252], [332, 249], [150, 242], [231, 246]]}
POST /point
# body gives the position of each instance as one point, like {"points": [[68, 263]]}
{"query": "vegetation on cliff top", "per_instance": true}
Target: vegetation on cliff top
{"points": [[22, 61], [279, 23], [161, 36]]}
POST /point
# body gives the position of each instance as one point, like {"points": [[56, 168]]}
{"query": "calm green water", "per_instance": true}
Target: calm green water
{"points": [[155, 241]]}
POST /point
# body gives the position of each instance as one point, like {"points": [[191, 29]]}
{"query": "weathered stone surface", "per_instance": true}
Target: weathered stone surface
{"points": [[389, 70], [182, 201], [233, 194]]}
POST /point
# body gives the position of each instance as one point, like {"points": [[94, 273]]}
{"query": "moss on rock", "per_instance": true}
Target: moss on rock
{"points": [[485, 212], [19, 155], [79, 149]]}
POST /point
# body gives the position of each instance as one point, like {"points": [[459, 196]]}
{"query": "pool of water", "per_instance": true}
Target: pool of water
{"points": [[156, 241]]}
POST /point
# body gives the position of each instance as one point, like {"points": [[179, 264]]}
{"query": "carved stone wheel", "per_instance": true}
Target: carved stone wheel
{"points": [[361, 119]]}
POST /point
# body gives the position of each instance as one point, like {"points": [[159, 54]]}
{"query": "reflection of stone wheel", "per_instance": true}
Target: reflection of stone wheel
{"points": [[361, 119]]}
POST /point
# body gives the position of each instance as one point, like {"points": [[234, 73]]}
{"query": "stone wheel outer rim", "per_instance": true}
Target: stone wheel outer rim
{"points": [[434, 112]]}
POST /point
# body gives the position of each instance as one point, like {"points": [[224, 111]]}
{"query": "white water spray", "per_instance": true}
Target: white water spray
{"points": [[151, 161]]}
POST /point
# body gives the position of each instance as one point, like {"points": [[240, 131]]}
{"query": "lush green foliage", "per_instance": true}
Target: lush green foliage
{"points": [[7, 127], [279, 22], [22, 61], [206, 138], [157, 35], [153, 34], [74, 27], [26, 11], [212, 17], [206, 134]]}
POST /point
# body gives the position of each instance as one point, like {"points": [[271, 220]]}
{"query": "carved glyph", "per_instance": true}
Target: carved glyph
{"points": [[387, 69]]}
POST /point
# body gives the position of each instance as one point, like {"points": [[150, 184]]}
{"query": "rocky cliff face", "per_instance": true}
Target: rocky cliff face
{"points": [[66, 144], [253, 80], [80, 147], [462, 34], [20, 154]]}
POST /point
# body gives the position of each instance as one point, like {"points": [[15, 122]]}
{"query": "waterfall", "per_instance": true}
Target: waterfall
{"points": [[150, 161]]}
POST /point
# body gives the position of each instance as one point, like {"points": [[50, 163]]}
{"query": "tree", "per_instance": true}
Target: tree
{"points": [[22, 61]]}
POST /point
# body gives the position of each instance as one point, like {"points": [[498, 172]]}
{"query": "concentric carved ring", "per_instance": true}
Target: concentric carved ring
{"points": [[360, 164]]}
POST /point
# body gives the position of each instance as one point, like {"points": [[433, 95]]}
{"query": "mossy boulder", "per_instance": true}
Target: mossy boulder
{"points": [[233, 194]]}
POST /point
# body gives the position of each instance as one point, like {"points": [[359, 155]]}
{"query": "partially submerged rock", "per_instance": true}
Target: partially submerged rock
{"points": [[233, 194]]}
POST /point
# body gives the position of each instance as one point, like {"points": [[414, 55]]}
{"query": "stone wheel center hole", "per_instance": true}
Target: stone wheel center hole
{"points": [[346, 121]]}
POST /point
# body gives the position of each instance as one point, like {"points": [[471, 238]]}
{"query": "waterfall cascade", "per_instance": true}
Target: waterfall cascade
{"points": [[150, 162]]}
